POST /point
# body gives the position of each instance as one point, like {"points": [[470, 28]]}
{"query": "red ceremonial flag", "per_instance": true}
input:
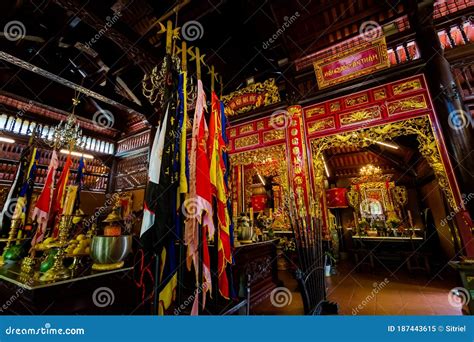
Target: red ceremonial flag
{"points": [[43, 204], [58, 196], [198, 203], [217, 171]]}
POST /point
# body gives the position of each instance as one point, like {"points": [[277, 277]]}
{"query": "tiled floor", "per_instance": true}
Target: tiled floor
{"points": [[383, 293], [379, 293]]}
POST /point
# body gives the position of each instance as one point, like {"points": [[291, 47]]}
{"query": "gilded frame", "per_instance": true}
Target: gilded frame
{"points": [[420, 126], [259, 155]]}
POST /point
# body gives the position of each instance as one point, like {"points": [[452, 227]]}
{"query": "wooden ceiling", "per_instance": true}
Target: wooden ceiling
{"points": [[233, 39], [405, 163]]}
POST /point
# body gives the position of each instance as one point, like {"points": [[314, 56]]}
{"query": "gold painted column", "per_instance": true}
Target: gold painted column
{"points": [[298, 160]]}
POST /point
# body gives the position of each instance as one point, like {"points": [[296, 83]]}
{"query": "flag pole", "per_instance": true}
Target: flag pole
{"points": [[156, 275]]}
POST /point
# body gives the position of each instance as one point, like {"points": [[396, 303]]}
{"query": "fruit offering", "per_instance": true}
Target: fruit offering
{"points": [[46, 244], [79, 246]]}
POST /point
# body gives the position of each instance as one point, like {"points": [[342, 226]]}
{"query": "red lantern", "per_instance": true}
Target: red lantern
{"points": [[336, 198]]}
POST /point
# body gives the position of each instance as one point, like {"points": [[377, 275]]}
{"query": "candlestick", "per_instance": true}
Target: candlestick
{"points": [[271, 213]]}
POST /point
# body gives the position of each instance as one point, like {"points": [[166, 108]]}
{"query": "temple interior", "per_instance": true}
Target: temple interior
{"points": [[188, 157]]}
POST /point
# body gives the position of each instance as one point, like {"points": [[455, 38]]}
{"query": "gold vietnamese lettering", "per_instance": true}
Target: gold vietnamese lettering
{"points": [[359, 62]]}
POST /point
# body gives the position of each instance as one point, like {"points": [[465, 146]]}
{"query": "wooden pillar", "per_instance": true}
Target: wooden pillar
{"points": [[298, 159], [455, 121]]}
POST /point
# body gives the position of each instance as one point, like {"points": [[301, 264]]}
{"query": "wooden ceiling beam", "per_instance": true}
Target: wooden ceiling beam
{"points": [[341, 24], [133, 52], [49, 75]]}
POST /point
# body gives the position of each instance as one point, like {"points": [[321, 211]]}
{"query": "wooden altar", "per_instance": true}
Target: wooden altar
{"points": [[256, 270]]}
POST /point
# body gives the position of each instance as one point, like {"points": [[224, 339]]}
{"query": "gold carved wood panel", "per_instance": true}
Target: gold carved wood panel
{"points": [[321, 125], [250, 140], [409, 104], [318, 110], [406, 87], [359, 116], [420, 126]]}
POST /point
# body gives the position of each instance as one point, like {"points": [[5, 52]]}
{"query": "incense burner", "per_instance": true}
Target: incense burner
{"points": [[108, 252]]}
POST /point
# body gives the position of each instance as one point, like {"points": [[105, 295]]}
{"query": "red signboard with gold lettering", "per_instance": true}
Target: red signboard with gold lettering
{"points": [[251, 97], [362, 60]]}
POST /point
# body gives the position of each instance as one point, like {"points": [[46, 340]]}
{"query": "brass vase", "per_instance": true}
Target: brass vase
{"points": [[58, 271]]}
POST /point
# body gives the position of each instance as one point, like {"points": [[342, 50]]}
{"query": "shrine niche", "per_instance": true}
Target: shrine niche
{"points": [[261, 185], [374, 191], [420, 127], [379, 202]]}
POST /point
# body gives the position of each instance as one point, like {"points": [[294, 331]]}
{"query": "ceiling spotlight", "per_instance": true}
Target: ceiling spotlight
{"points": [[326, 168], [395, 147], [77, 154], [7, 140], [383, 143]]}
